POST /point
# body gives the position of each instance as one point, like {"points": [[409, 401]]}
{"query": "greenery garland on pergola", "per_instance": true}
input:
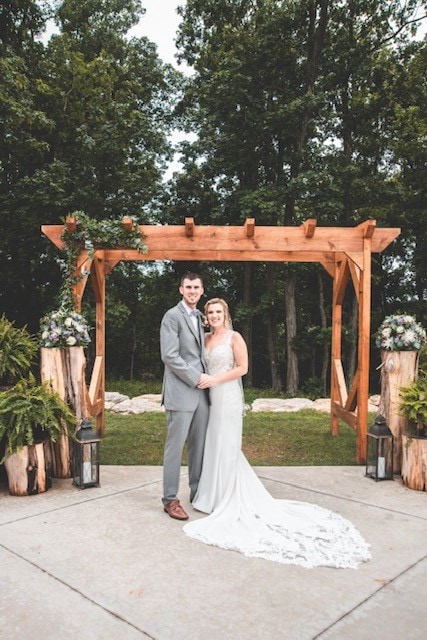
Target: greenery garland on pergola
{"points": [[345, 253]]}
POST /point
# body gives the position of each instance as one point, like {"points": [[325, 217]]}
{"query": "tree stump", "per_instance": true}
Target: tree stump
{"points": [[28, 470], [398, 369], [414, 462], [64, 369]]}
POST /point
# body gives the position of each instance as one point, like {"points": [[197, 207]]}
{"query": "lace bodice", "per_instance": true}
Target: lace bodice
{"points": [[220, 358]]}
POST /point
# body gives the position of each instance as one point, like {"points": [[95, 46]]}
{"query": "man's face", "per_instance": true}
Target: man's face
{"points": [[191, 291]]}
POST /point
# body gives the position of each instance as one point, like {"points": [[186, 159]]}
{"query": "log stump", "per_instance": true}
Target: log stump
{"points": [[398, 369], [64, 370], [29, 470], [414, 462]]}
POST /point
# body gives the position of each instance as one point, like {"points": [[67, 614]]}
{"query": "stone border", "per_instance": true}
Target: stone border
{"points": [[120, 403]]}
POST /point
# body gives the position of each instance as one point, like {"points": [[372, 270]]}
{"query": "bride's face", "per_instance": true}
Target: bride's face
{"points": [[215, 315]]}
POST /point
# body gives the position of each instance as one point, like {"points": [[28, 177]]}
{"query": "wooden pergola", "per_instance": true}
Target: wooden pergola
{"points": [[345, 253]]}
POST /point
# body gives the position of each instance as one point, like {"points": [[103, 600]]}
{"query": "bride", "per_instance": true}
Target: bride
{"points": [[243, 515]]}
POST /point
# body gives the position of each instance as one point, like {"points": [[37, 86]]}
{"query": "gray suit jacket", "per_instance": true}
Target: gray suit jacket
{"points": [[182, 351]]}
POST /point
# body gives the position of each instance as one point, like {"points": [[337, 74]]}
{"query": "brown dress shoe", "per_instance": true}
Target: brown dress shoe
{"points": [[175, 510]]}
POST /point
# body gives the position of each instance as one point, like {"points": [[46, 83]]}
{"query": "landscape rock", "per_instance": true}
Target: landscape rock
{"points": [[137, 405], [279, 404], [120, 403]]}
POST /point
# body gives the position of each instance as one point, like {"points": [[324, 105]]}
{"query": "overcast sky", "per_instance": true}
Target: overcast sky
{"points": [[160, 24]]}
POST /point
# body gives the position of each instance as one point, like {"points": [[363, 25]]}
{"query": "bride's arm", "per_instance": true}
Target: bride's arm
{"points": [[240, 352]]}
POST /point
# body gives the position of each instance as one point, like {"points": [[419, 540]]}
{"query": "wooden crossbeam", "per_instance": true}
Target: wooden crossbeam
{"points": [[168, 239]]}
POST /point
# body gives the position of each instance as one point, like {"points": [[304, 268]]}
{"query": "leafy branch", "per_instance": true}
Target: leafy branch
{"points": [[89, 235]]}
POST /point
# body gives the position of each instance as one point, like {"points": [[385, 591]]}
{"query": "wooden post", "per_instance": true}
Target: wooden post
{"points": [[64, 369], [28, 470], [364, 327], [398, 369], [414, 462]]}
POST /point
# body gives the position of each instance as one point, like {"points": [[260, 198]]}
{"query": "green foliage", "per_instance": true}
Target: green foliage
{"points": [[84, 124], [413, 405], [17, 352], [30, 413]]}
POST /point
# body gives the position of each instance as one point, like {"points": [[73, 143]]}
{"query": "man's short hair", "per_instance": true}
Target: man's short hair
{"points": [[191, 276]]}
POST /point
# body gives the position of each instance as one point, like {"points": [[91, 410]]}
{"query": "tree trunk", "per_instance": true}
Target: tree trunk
{"points": [[64, 369], [28, 470], [292, 379], [414, 462], [324, 324], [353, 346], [398, 369], [276, 383], [247, 327]]}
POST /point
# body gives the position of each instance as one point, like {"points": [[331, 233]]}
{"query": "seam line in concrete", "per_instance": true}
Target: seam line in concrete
{"points": [[365, 600], [68, 586], [345, 498]]}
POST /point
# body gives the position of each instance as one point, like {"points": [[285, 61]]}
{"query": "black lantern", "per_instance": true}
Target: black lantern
{"points": [[86, 456], [379, 461]]}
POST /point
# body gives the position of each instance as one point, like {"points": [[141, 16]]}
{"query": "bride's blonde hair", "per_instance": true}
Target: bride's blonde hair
{"points": [[224, 305]]}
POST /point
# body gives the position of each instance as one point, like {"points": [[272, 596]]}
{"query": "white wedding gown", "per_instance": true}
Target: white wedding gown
{"points": [[243, 515]]}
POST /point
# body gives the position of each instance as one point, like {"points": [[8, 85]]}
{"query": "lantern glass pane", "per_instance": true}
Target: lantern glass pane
{"points": [[379, 463], [86, 464]]}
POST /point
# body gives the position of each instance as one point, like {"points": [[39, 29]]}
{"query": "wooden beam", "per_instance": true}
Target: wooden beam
{"points": [[309, 227], [368, 228], [163, 240], [189, 227], [364, 342], [351, 402], [341, 384], [95, 381], [71, 223], [250, 227], [127, 223], [355, 272], [113, 256], [349, 417], [342, 273]]}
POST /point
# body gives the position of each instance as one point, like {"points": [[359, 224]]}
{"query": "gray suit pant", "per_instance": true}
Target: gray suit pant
{"points": [[190, 427]]}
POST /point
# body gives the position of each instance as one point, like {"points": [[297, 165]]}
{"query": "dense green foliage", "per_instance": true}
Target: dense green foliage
{"points": [[301, 108]]}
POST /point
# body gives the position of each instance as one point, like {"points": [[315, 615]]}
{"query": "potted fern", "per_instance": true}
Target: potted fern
{"points": [[413, 405], [30, 416], [17, 352]]}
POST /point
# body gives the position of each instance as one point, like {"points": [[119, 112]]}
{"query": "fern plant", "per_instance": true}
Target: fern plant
{"points": [[413, 405], [17, 352], [30, 413]]}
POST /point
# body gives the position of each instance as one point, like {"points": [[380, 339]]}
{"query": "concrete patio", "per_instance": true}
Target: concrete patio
{"points": [[107, 563]]}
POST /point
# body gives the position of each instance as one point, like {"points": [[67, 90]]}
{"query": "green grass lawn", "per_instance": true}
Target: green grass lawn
{"points": [[300, 438]]}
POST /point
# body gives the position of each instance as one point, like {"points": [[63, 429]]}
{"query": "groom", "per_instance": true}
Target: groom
{"points": [[182, 353]]}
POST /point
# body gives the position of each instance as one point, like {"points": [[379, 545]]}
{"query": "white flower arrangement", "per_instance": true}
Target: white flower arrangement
{"points": [[64, 328], [400, 333]]}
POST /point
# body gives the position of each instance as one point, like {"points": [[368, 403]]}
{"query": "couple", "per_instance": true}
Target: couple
{"points": [[202, 394]]}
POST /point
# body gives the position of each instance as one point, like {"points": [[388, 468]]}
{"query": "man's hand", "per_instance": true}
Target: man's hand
{"points": [[205, 381]]}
